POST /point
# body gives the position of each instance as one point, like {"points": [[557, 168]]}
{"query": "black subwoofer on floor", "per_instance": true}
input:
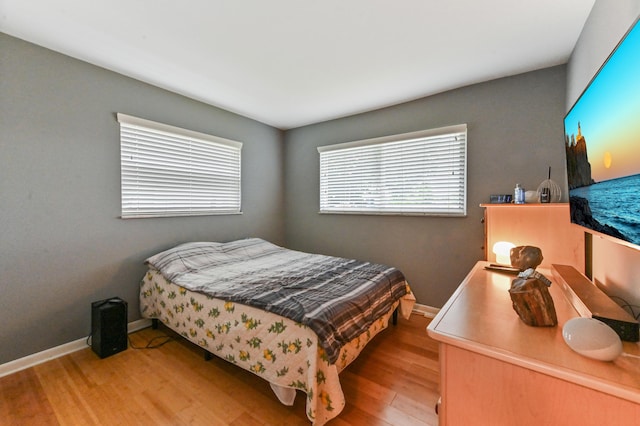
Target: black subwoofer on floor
{"points": [[109, 326]]}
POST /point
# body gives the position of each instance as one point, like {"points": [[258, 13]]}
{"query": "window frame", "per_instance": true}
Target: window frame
{"points": [[176, 179], [367, 147]]}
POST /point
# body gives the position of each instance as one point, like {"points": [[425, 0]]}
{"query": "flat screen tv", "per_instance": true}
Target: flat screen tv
{"points": [[602, 141]]}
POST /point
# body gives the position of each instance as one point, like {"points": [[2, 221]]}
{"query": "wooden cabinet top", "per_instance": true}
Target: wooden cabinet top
{"points": [[479, 317], [547, 226], [526, 205]]}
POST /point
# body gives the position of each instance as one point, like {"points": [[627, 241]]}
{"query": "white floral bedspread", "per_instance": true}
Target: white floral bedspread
{"points": [[281, 351]]}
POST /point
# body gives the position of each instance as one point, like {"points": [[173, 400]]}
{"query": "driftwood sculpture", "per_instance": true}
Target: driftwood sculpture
{"points": [[530, 291]]}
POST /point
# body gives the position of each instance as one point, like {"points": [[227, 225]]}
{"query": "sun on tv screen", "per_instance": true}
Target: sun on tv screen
{"points": [[602, 137]]}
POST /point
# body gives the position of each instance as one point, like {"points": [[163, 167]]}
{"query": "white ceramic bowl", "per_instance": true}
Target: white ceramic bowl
{"points": [[592, 338]]}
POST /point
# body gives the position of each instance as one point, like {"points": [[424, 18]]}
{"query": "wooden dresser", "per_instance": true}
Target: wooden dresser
{"points": [[496, 370]]}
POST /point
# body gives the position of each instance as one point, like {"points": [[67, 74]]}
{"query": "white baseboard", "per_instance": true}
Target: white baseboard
{"points": [[427, 311], [138, 325], [67, 348]]}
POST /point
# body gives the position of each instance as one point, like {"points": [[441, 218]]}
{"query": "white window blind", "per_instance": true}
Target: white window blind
{"points": [[169, 171], [419, 173]]}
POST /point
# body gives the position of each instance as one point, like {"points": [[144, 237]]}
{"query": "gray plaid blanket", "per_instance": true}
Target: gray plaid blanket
{"points": [[337, 298]]}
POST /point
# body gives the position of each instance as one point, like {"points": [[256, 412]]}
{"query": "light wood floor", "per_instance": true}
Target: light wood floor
{"points": [[393, 382]]}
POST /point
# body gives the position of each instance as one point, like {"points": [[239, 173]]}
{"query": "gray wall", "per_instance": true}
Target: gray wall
{"points": [[515, 132], [616, 268], [62, 244]]}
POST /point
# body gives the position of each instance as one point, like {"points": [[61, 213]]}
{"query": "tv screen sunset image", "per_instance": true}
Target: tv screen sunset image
{"points": [[602, 137]]}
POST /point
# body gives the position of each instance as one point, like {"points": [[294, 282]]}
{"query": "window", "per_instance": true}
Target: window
{"points": [[168, 171], [420, 173]]}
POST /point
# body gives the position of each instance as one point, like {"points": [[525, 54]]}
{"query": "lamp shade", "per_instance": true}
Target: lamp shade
{"points": [[502, 250]]}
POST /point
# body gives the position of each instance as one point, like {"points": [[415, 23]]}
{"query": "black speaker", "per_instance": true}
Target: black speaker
{"points": [[108, 326]]}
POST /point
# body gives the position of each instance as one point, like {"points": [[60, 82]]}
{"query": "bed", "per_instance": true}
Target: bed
{"points": [[293, 318]]}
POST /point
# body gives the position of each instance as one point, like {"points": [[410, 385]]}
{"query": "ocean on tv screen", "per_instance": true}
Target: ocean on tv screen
{"points": [[615, 203]]}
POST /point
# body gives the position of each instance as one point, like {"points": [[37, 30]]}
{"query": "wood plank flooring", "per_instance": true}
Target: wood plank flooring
{"points": [[393, 382]]}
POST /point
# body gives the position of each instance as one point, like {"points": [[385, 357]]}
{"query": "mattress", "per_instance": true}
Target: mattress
{"points": [[293, 318], [285, 353]]}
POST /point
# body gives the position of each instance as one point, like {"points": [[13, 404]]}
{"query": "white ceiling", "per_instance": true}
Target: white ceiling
{"points": [[289, 63]]}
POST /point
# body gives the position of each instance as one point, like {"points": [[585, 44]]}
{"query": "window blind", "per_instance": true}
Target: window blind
{"points": [[419, 173], [169, 171]]}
